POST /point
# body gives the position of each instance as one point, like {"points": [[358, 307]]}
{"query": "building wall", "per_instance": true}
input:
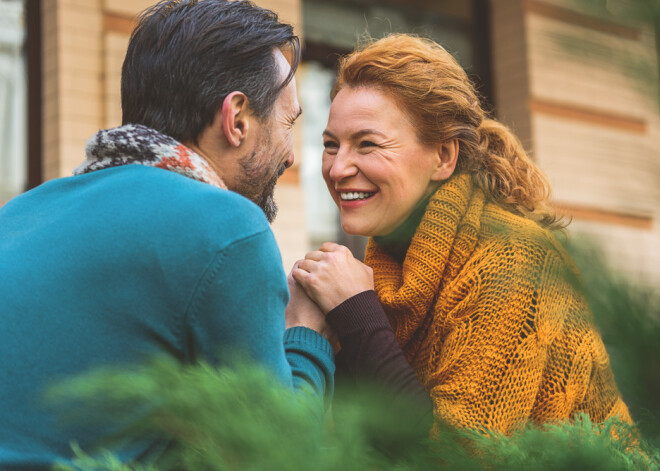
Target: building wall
{"points": [[72, 72], [13, 98], [586, 121]]}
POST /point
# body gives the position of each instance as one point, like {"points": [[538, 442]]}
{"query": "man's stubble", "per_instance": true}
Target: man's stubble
{"points": [[258, 180]]}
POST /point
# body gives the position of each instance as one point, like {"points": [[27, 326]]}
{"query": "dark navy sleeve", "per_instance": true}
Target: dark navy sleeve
{"points": [[370, 354]]}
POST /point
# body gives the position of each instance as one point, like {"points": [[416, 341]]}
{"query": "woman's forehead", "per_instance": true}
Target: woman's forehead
{"points": [[365, 107]]}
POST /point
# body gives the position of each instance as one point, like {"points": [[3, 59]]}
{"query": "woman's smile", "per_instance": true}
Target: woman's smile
{"points": [[376, 169], [347, 196]]}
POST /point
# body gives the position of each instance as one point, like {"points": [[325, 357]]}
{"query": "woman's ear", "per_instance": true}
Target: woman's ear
{"points": [[235, 118], [446, 163]]}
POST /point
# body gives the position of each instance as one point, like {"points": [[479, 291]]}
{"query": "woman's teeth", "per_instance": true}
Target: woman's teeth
{"points": [[354, 195]]}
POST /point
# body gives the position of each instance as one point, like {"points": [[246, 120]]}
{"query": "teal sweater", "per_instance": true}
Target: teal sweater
{"points": [[115, 266]]}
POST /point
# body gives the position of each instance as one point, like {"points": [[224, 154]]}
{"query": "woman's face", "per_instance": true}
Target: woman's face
{"points": [[376, 169]]}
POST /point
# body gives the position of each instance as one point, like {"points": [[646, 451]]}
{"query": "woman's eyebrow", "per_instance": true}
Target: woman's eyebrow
{"points": [[357, 134], [364, 132]]}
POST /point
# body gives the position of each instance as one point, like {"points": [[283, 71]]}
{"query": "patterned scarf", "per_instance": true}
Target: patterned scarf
{"points": [[140, 145]]}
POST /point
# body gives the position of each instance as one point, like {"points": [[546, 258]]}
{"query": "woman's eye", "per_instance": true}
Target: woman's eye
{"points": [[367, 144], [330, 145]]}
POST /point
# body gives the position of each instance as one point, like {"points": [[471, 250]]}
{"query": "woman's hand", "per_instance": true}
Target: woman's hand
{"points": [[303, 312], [331, 275]]}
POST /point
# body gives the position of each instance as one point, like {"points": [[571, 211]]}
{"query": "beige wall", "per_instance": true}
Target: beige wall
{"points": [[591, 128], [73, 70], [585, 123], [511, 67]]}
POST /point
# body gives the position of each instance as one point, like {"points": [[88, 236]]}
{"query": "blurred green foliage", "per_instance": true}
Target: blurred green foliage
{"points": [[625, 11], [237, 419], [641, 66], [628, 317], [240, 419]]}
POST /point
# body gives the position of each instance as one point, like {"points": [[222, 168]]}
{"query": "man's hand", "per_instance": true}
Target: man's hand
{"points": [[331, 275], [303, 312]]}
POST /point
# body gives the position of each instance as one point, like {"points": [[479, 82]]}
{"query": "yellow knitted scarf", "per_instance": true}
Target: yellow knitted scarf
{"points": [[487, 309]]}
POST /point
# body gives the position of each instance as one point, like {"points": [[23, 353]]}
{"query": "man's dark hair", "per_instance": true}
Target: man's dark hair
{"points": [[186, 56]]}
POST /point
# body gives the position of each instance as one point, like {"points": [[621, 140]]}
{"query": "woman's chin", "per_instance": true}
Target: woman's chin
{"points": [[355, 229]]}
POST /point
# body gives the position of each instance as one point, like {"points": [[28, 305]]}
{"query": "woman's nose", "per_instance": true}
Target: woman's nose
{"points": [[343, 166]]}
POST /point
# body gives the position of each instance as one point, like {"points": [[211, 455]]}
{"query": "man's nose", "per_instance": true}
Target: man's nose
{"points": [[289, 161]]}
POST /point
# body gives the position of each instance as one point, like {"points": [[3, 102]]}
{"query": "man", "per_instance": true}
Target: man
{"points": [[144, 252]]}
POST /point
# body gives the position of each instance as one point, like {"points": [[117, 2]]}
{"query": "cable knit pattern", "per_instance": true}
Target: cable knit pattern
{"points": [[488, 309]]}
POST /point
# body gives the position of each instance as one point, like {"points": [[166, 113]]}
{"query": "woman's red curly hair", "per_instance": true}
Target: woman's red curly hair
{"points": [[436, 94]]}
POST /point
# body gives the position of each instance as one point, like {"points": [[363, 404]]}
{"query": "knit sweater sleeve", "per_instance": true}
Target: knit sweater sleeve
{"points": [[520, 347], [238, 308], [371, 356], [490, 358]]}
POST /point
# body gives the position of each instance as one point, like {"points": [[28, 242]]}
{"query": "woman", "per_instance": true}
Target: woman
{"points": [[481, 298]]}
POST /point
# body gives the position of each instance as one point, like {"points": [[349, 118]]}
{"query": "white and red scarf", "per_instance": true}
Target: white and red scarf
{"points": [[137, 144]]}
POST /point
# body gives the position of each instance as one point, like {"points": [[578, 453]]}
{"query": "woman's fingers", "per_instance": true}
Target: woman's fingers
{"points": [[299, 274], [331, 275], [294, 267], [306, 282], [302, 276], [330, 247], [314, 255], [307, 265], [326, 250]]}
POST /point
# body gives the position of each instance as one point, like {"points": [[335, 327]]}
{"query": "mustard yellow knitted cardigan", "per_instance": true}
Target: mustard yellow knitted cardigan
{"points": [[488, 311]]}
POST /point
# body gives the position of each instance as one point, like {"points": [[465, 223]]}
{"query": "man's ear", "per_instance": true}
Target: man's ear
{"points": [[446, 162], [235, 118]]}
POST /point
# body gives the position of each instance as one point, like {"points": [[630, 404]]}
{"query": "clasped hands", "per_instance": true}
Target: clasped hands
{"points": [[321, 281]]}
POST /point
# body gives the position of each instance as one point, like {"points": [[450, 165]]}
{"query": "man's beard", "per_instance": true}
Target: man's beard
{"points": [[267, 200], [256, 183]]}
